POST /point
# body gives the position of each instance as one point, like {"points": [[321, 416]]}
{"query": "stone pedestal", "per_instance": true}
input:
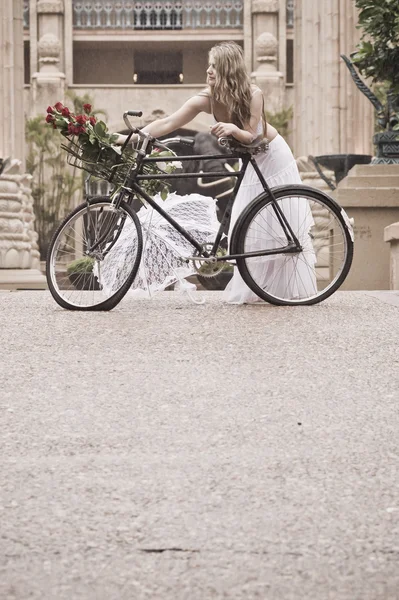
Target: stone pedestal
{"points": [[370, 195], [391, 236], [19, 253]]}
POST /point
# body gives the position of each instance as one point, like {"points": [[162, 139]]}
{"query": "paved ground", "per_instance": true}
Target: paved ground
{"points": [[173, 451]]}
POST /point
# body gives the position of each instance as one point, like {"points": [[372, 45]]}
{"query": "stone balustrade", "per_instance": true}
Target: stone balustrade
{"points": [[157, 14]]}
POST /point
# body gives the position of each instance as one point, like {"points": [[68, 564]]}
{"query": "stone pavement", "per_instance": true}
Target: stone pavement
{"points": [[174, 451]]}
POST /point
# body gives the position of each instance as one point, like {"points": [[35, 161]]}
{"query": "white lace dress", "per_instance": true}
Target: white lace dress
{"points": [[278, 166], [163, 247]]}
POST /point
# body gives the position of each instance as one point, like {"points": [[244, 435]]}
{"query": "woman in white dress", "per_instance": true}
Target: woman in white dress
{"points": [[237, 107]]}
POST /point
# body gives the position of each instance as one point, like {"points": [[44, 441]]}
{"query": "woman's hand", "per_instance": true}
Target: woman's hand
{"points": [[121, 139], [224, 129]]}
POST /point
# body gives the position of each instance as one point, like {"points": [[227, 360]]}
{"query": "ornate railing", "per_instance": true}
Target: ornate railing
{"points": [[157, 14], [290, 14], [26, 14]]}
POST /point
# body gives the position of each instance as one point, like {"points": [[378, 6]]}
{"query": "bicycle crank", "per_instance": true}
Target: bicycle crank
{"points": [[210, 267]]}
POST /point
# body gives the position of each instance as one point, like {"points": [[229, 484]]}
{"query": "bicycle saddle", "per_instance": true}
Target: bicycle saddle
{"points": [[260, 144]]}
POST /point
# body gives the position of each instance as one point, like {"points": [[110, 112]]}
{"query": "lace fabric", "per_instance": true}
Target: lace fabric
{"points": [[278, 167], [164, 249]]}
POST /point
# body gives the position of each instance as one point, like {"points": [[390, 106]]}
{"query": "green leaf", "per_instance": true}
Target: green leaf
{"points": [[100, 128]]}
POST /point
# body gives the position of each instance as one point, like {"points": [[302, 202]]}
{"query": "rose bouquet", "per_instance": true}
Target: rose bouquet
{"points": [[90, 137], [92, 148]]}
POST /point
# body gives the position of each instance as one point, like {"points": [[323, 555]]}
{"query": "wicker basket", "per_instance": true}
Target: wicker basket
{"points": [[102, 163]]}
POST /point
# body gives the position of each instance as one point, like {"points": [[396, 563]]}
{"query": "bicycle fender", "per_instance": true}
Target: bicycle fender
{"points": [[306, 188]]}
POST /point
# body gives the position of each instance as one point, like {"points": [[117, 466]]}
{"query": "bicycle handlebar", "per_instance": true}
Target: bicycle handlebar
{"points": [[131, 113], [189, 141]]}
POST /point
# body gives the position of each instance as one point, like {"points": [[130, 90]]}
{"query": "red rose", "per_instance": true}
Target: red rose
{"points": [[87, 108], [50, 109], [93, 120], [59, 106], [50, 118], [73, 129], [65, 112], [81, 119]]}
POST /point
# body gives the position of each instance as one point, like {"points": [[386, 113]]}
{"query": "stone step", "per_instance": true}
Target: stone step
{"points": [[367, 197], [373, 170], [22, 279], [380, 181]]}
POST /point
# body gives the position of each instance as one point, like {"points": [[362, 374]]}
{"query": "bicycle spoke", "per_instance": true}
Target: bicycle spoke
{"points": [[96, 279], [300, 276]]}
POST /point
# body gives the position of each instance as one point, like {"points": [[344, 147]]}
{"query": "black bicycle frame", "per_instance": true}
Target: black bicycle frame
{"points": [[136, 175]]}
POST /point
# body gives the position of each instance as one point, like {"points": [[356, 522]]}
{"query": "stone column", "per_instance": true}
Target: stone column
{"points": [[68, 43], [330, 114], [19, 257], [247, 33], [266, 74], [48, 82]]}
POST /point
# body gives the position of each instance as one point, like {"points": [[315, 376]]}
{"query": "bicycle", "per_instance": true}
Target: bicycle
{"points": [[293, 245]]}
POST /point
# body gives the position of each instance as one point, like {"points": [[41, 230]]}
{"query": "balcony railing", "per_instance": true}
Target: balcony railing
{"points": [[26, 14], [157, 14], [290, 14]]}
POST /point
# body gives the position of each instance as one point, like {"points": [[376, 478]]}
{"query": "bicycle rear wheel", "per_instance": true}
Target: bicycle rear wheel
{"points": [[306, 277], [94, 256]]}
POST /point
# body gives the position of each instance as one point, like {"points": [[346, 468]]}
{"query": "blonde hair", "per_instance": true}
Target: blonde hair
{"points": [[232, 83]]}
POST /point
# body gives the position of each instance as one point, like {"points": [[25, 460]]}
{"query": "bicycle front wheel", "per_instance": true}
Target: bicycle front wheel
{"points": [[94, 256], [323, 231]]}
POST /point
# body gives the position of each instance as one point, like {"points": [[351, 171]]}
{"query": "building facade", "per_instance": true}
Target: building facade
{"points": [[152, 56]]}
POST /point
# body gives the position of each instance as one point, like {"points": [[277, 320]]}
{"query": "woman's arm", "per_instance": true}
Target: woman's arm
{"points": [[249, 133], [181, 117]]}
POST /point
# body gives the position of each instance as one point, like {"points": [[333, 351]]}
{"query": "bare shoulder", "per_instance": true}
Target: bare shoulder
{"points": [[203, 100], [205, 92], [256, 91]]}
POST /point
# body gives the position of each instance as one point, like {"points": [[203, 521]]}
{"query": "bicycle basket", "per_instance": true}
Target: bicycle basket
{"points": [[104, 163]]}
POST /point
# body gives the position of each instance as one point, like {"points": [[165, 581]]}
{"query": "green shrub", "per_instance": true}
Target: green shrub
{"points": [[81, 265]]}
